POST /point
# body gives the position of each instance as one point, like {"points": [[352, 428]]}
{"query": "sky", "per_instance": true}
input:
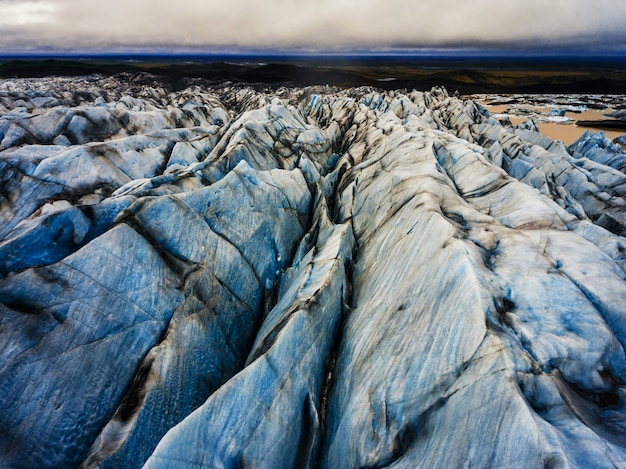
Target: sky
{"points": [[318, 25]]}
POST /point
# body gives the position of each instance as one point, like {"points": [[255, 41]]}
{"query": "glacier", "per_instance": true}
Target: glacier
{"points": [[233, 276]]}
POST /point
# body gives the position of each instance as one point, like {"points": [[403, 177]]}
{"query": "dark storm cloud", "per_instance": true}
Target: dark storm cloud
{"points": [[75, 24]]}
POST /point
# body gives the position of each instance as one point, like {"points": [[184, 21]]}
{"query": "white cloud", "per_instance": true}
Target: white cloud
{"points": [[323, 23], [15, 13]]}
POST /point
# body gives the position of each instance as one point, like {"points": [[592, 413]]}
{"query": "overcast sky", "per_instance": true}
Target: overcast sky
{"points": [[31, 25]]}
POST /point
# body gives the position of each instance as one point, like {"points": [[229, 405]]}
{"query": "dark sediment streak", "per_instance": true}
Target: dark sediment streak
{"points": [[603, 124]]}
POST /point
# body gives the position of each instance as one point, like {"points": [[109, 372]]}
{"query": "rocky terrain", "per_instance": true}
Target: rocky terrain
{"points": [[233, 277]]}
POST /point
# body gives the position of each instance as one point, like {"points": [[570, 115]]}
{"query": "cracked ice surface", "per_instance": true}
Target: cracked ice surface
{"points": [[224, 277]]}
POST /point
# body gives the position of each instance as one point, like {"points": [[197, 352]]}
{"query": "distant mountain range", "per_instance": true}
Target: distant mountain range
{"points": [[566, 74]]}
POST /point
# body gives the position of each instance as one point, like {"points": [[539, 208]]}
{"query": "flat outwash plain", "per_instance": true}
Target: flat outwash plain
{"points": [[228, 276]]}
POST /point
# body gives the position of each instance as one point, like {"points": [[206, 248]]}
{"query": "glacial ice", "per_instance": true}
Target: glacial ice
{"points": [[304, 277]]}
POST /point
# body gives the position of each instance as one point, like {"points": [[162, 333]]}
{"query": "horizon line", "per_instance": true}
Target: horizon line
{"points": [[294, 52]]}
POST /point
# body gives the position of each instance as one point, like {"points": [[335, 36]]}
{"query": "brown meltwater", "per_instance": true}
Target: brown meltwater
{"points": [[568, 132]]}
